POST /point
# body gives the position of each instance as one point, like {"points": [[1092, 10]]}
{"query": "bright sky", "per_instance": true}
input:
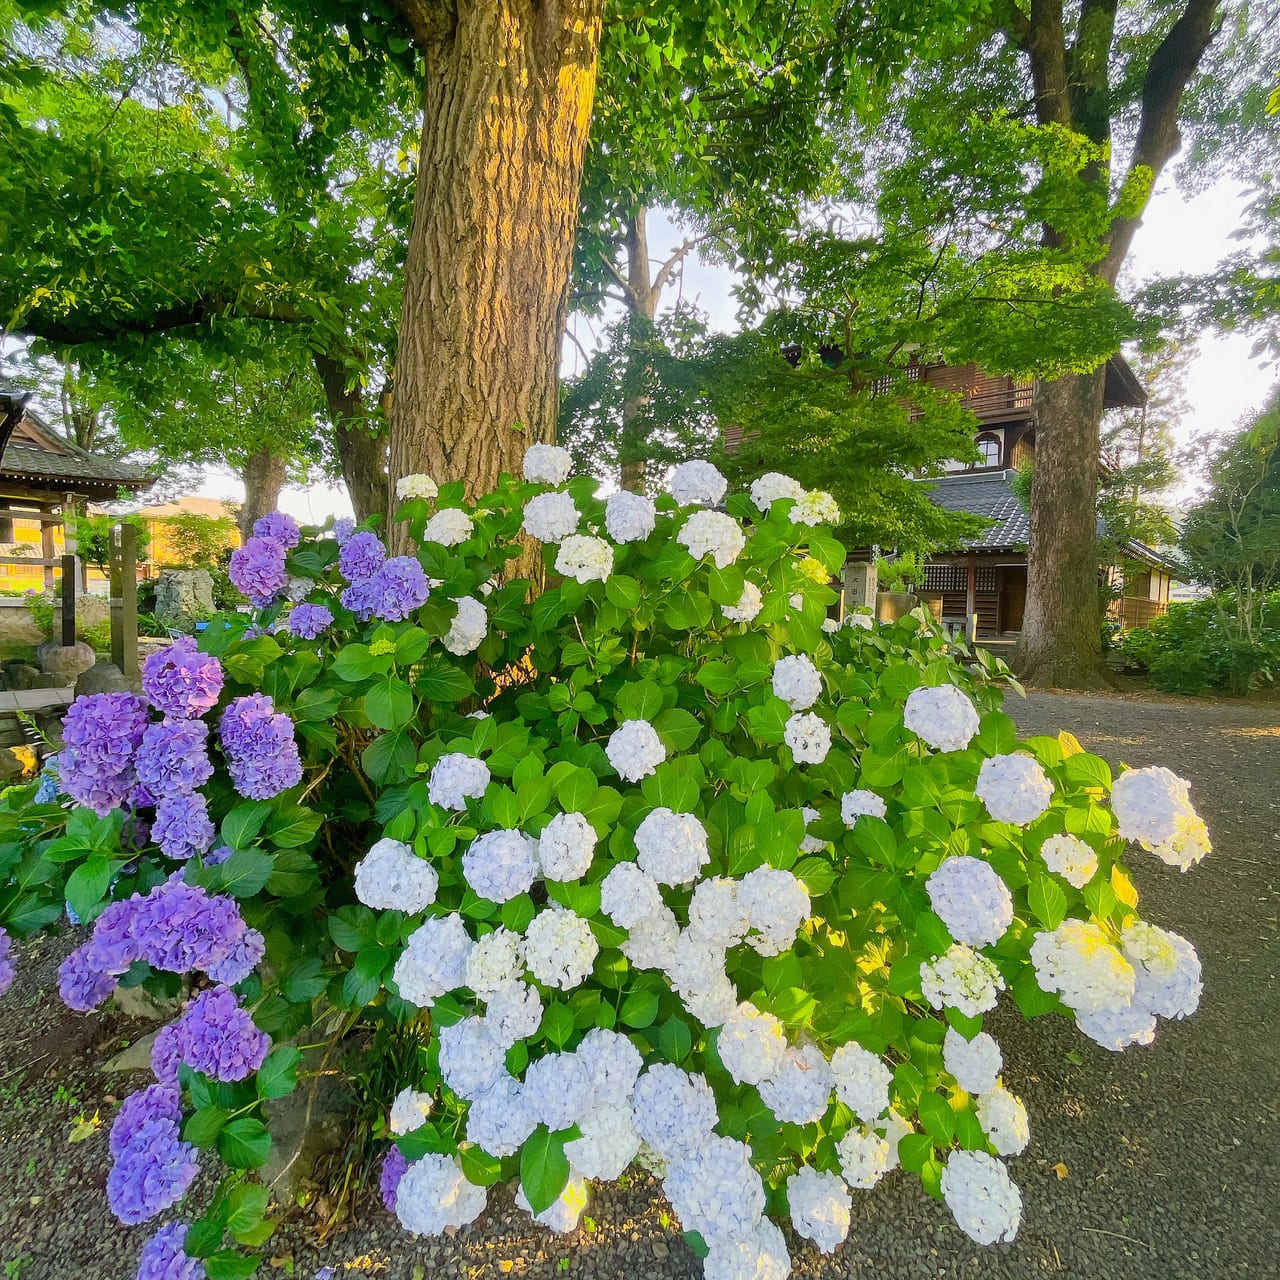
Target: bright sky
{"points": [[1178, 235]]}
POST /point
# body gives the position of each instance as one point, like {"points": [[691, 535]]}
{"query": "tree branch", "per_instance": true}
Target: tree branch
{"points": [[665, 271], [182, 315], [431, 21], [629, 294]]}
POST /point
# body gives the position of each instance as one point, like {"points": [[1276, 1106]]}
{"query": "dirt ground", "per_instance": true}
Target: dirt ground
{"points": [[1157, 1164]]}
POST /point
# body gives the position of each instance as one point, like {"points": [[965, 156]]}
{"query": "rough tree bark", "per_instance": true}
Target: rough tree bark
{"points": [[642, 307], [361, 452], [263, 475], [1061, 643], [506, 112]]}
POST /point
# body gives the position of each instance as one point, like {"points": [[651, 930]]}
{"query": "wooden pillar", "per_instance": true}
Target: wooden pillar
{"points": [[971, 599], [48, 551], [124, 599], [70, 577]]}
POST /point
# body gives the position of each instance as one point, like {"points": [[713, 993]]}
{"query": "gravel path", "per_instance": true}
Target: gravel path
{"points": [[1159, 1163]]}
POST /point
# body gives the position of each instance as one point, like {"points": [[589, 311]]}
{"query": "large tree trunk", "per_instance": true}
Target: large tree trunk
{"points": [[642, 306], [507, 107], [1061, 643], [361, 452], [263, 476]]}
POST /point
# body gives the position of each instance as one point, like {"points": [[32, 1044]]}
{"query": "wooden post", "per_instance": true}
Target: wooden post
{"points": [[70, 579], [48, 551], [124, 599], [971, 600]]}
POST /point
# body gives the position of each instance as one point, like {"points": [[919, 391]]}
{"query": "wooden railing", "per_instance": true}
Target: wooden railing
{"points": [[1135, 611]]}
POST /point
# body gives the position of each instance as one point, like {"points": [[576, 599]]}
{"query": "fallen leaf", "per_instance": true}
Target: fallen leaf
{"points": [[84, 1128], [1061, 1170]]}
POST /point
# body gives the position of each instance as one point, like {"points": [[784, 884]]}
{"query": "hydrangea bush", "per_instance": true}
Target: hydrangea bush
{"points": [[665, 868]]}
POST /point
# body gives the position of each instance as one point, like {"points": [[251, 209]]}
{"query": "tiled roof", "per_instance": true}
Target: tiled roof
{"points": [[986, 494], [25, 460]]}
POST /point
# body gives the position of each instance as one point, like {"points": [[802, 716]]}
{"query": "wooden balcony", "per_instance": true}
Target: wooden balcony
{"points": [[991, 397]]}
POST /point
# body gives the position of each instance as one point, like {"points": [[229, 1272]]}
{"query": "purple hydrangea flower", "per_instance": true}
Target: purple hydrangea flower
{"points": [[343, 528], [153, 1170], [172, 760], [262, 755], [307, 621], [361, 556], [182, 828], [361, 597], [113, 946], [215, 1036], [6, 964], [257, 570], [241, 960], [102, 732], [216, 857], [393, 1169], [163, 1257], [400, 587], [181, 681], [155, 1102], [82, 985], [284, 529]]}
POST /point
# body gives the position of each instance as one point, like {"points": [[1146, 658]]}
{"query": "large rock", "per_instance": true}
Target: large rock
{"points": [[91, 611], [183, 596], [66, 663], [311, 1122], [17, 674], [102, 677], [11, 767]]}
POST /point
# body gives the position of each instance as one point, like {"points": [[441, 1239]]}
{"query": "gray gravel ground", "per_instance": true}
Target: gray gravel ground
{"points": [[1160, 1163]]}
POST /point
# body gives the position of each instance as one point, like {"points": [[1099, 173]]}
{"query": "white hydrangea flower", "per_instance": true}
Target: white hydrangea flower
{"points": [[796, 601], [820, 1205], [297, 589], [501, 1120], [816, 507], [608, 1144], [983, 1199], [1153, 807], [961, 979], [713, 1001], [671, 847], [468, 628], [751, 1044], [697, 482], [391, 877], [976, 1064], [585, 558], [557, 1090], [651, 939], [861, 803], [1004, 1120], [612, 1064], [808, 736], [693, 964], [1078, 961], [714, 1189], [1014, 788], [419, 485], [715, 914], [1117, 1029], [862, 1081], [450, 527], [550, 517], [560, 948], [434, 960], [714, 534], [455, 778], [1166, 969], [629, 895], [409, 1111], [971, 900], [776, 905], [496, 958], [750, 602], [762, 1255], [471, 1060], [513, 1012], [562, 1214], [797, 681], [893, 1128], [862, 621], [774, 485], [811, 844], [830, 626], [1072, 859], [942, 716], [500, 864], [433, 1196], [673, 1111], [547, 464], [629, 517], [864, 1157], [566, 846], [635, 750], [799, 1091]]}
